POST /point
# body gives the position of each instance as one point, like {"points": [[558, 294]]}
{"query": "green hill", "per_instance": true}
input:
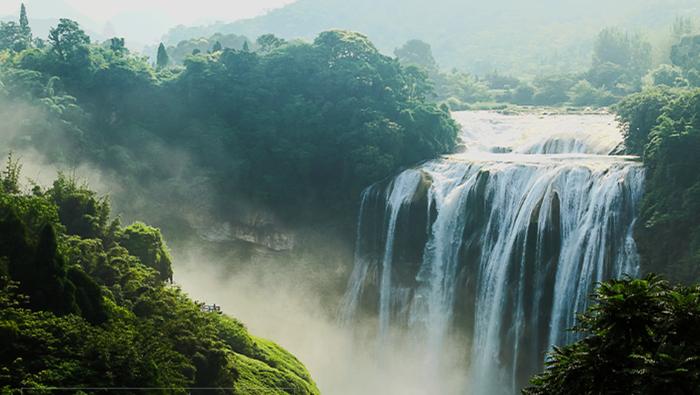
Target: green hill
{"points": [[87, 303], [508, 35]]}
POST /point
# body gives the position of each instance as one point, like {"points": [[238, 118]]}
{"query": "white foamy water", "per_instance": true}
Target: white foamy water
{"points": [[521, 225]]}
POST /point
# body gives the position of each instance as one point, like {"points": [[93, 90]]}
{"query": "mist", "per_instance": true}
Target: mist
{"points": [[292, 298], [285, 302]]}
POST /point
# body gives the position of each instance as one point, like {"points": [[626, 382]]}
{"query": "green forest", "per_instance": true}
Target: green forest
{"points": [[509, 36], [301, 126], [303, 122], [86, 302]]}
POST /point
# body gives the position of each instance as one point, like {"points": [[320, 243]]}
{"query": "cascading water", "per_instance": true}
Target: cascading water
{"points": [[503, 242]]}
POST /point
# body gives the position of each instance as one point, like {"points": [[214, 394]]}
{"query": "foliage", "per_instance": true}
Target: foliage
{"points": [[146, 243], [552, 90], [162, 59], [204, 45], [79, 209], [68, 41], [662, 125], [89, 312], [269, 42], [620, 60], [686, 54], [640, 336], [523, 94], [585, 94], [287, 124], [511, 36], [9, 177], [456, 88], [417, 53], [35, 262], [667, 75], [11, 37]]}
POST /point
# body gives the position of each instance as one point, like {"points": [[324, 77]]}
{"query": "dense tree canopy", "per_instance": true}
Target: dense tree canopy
{"points": [[619, 62], [640, 336], [290, 125], [91, 310], [663, 126]]}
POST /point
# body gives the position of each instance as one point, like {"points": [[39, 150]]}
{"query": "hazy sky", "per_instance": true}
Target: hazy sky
{"points": [[186, 11], [143, 19]]}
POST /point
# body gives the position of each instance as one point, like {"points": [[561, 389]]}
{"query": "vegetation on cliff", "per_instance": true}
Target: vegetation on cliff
{"points": [[662, 125], [85, 303], [640, 336]]}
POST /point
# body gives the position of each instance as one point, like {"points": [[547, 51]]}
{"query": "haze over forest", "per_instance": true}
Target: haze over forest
{"points": [[508, 36]]}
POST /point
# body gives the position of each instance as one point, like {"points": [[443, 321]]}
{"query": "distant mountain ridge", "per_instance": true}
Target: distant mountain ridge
{"points": [[476, 35]]}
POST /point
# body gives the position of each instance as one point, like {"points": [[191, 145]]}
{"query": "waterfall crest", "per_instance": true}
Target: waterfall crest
{"points": [[502, 242]]}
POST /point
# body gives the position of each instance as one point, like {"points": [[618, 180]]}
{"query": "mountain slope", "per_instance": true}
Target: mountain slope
{"points": [[85, 303], [508, 35]]}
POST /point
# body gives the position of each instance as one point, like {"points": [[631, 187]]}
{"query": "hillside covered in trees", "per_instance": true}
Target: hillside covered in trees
{"points": [[86, 302], [662, 126], [510, 36], [621, 62], [283, 124], [615, 56]]}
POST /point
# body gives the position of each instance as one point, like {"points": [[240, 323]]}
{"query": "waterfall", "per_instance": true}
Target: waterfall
{"points": [[504, 241]]}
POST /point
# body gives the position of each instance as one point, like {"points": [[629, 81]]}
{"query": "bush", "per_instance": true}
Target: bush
{"points": [[641, 336], [146, 243], [585, 94], [667, 75]]}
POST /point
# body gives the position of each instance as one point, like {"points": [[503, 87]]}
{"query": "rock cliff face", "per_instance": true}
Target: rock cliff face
{"points": [[263, 235]]}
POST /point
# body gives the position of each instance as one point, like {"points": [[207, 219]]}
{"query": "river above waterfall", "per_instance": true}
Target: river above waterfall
{"points": [[498, 245]]}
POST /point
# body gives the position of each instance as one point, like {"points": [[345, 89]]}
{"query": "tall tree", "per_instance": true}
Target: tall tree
{"points": [[162, 59], [11, 37], [417, 53], [68, 40], [16, 37], [23, 20], [217, 46], [117, 45], [25, 30], [620, 60], [268, 42]]}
